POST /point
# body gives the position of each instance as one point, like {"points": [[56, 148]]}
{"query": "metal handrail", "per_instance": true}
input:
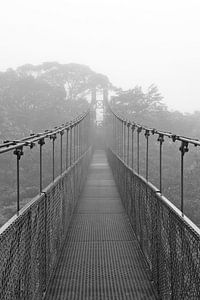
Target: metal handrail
{"points": [[7, 146], [174, 137], [124, 125], [74, 130]]}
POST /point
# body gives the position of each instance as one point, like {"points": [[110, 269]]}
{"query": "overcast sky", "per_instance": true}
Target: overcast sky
{"points": [[132, 42]]}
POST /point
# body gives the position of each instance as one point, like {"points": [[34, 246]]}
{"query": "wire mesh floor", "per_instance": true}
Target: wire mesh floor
{"points": [[100, 258]]}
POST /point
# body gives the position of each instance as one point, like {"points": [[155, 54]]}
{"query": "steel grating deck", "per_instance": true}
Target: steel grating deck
{"points": [[100, 258]]}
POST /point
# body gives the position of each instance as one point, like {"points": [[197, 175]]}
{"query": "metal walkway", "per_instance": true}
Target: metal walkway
{"points": [[100, 258]]}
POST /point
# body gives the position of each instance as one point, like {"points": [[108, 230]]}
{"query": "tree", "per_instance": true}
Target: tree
{"points": [[33, 98], [32, 104], [76, 79], [135, 104]]}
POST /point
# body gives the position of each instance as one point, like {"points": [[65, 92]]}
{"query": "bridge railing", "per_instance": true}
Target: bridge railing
{"points": [[72, 137], [31, 240], [169, 241]]}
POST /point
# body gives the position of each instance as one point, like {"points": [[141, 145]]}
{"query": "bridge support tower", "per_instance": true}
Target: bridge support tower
{"points": [[99, 99]]}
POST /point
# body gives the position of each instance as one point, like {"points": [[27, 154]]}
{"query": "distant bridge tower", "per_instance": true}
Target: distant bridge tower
{"points": [[99, 99], [99, 102]]}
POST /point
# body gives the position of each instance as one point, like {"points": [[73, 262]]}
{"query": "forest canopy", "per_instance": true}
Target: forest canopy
{"points": [[34, 98], [37, 97]]}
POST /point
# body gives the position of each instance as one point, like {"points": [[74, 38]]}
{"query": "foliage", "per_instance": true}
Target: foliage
{"points": [[134, 103], [76, 79], [148, 109], [32, 99], [31, 104]]}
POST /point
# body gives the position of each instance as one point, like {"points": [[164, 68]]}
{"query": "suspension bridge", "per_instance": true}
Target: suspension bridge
{"points": [[99, 230]]}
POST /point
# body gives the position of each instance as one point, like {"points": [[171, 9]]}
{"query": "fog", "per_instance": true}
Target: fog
{"points": [[132, 42]]}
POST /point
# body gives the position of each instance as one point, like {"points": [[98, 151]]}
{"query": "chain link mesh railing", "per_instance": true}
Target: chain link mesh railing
{"points": [[30, 242], [169, 240]]}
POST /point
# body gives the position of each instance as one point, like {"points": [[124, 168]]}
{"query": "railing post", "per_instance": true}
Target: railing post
{"points": [[147, 134], [41, 143], [138, 149], [114, 134], [18, 152], [70, 146], [118, 136], [74, 144], [67, 146], [124, 143], [53, 137], [80, 138], [122, 139], [128, 133], [61, 150], [183, 148], [160, 140], [132, 144], [88, 130], [83, 136], [77, 152]]}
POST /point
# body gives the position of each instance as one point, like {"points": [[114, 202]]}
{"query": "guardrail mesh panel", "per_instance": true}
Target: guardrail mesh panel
{"points": [[169, 243], [22, 255], [31, 241]]}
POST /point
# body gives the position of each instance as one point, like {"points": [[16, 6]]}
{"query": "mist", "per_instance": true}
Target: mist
{"points": [[133, 42], [99, 144]]}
